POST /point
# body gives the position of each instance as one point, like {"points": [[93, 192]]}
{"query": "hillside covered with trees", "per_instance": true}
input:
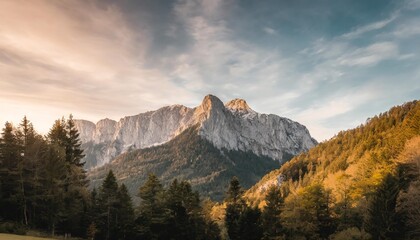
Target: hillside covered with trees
{"points": [[361, 184], [187, 157]]}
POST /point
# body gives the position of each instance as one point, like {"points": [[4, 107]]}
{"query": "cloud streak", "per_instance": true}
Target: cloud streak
{"points": [[79, 57]]}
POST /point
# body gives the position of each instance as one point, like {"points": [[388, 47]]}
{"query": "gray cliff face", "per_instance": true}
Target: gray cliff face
{"points": [[234, 126]]}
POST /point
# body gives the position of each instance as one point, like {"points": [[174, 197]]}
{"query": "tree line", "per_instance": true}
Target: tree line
{"points": [[361, 184], [42, 181]]}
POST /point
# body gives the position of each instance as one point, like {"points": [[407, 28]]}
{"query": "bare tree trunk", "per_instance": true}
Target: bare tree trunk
{"points": [[25, 211], [53, 230], [109, 213]]}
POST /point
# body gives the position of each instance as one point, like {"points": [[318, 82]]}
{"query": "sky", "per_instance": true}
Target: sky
{"points": [[327, 64]]}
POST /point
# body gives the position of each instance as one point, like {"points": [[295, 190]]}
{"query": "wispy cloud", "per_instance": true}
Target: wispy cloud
{"points": [[77, 56], [269, 31], [217, 60], [359, 31], [412, 4], [370, 55], [409, 29]]}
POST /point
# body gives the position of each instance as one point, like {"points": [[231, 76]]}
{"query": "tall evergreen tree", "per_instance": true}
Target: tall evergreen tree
{"points": [[50, 202], [186, 218], [242, 221], [235, 191], [57, 134], [177, 199], [152, 216], [26, 137], [250, 224], [382, 219], [125, 214], [65, 135], [74, 152], [9, 174], [234, 209], [108, 207], [271, 214]]}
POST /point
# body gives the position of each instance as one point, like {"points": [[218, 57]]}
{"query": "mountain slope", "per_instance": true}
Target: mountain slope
{"points": [[234, 126], [356, 159], [191, 157]]}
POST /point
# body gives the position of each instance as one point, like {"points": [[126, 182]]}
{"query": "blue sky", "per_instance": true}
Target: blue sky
{"points": [[326, 64]]}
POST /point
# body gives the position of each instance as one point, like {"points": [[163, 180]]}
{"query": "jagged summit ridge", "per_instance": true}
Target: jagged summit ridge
{"points": [[234, 126], [238, 105]]}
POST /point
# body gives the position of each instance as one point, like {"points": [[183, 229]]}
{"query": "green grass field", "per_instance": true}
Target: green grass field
{"points": [[4, 236]]}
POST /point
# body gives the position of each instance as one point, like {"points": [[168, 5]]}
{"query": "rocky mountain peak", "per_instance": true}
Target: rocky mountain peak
{"points": [[105, 122], [238, 105], [210, 101], [234, 126]]}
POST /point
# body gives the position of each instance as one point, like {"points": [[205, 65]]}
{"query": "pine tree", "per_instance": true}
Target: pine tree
{"points": [[108, 207], [51, 195], [57, 134], [93, 214], [65, 135], [250, 224], [152, 216], [235, 191], [271, 213], [9, 174], [125, 213], [176, 201], [74, 153], [185, 216], [26, 137], [234, 209], [382, 220]]}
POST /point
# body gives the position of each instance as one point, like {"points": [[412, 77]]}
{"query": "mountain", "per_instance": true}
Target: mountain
{"points": [[231, 126], [190, 157], [364, 183], [352, 164]]}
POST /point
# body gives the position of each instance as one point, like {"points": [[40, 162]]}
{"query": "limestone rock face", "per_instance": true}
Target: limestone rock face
{"points": [[234, 126]]}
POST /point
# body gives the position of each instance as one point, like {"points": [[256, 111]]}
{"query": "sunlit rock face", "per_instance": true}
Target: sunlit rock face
{"points": [[234, 126]]}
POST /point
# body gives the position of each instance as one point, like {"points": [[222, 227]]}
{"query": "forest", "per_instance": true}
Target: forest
{"points": [[362, 184]]}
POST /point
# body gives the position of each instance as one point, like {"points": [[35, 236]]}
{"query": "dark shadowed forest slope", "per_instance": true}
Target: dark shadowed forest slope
{"points": [[187, 157]]}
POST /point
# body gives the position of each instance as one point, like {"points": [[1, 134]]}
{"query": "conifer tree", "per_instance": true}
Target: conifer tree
{"points": [[57, 134], [9, 174], [74, 153], [26, 138], [250, 224], [177, 201], [51, 196], [235, 191], [271, 214], [234, 209], [382, 220], [108, 207], [65, 135], [186, 218], [125, 214], [152, 216]]}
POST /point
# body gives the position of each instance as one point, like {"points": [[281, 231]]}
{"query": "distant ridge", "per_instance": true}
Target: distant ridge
{"points": [[233, 126]]}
